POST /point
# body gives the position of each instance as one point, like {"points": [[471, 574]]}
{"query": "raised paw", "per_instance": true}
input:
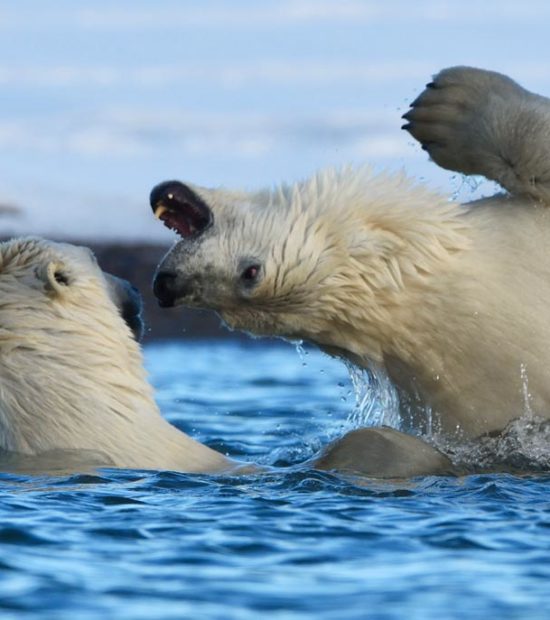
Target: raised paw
{"points": [[457, 119]]}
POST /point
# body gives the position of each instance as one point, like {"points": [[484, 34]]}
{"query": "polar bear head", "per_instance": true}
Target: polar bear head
{"points": [[69, 362], [311, 261]]}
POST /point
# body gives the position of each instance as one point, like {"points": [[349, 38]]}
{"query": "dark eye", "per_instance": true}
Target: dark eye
{"points": [[61, 278], [251, 273]]}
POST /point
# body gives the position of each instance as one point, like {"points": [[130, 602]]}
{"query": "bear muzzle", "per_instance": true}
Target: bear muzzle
{"points": [[128, 300], [170, 288]]}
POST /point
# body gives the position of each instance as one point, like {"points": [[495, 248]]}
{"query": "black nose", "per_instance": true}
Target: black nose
{"points": [[131, 313], [129, 303], [165, 288], [131, 308]]}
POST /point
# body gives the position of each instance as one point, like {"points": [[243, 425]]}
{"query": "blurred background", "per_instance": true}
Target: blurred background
{"points": [[101, 100]]}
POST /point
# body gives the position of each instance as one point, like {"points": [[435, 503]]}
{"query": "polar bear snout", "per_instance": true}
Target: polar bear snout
{"points": [[173, 288], [170, 288], [165, 289], [127, 299], [131, 308]]}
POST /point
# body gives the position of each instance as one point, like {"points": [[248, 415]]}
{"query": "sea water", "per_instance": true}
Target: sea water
{"points": [[292, 544]]}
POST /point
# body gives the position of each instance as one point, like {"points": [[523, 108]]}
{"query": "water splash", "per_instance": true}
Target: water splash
{"points": [[472, 187], [466, 184], [376, 399], [302, 352], [522, 446], [527, 398]]}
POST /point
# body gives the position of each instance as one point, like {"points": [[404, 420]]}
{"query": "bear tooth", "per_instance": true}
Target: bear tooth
{"points": [[159, 211]]}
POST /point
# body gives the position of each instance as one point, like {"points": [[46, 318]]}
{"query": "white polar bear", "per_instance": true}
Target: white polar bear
{"points": [[74, 392], [71, 372], [451, 300]]}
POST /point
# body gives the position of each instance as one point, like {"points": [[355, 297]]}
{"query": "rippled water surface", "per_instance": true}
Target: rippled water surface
{"points": [[291, 544]]}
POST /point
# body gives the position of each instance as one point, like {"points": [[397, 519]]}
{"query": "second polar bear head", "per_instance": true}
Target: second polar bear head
{"points": [[66, 344], [309, 261]]}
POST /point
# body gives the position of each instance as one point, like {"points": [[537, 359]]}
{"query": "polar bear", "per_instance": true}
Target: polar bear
{"points": [[450, 300], [71, 371], [74, 392]]}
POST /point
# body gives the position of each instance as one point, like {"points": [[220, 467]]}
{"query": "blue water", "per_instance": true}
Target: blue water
{"points": [[295, 544]]}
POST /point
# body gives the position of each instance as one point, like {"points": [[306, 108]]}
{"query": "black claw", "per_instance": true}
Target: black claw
{"points": [[406, 126], [424, 147], [431, 85], [407, 115]]}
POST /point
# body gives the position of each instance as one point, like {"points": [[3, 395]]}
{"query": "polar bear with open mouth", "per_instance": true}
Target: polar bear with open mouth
{"points": [[450, 300]]}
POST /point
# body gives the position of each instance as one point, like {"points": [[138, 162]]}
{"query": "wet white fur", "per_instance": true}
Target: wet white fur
{"points": [[452, 300], [71, 374]]}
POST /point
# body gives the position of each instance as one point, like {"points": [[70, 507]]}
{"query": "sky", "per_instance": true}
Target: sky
{"points": [[101, 100]]}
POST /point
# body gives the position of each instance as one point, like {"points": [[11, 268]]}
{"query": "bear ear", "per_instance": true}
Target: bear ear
{"points": [[55, 277]]}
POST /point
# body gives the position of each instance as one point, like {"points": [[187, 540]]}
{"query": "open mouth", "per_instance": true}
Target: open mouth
{"points": [[180, 209], [186, 221]]}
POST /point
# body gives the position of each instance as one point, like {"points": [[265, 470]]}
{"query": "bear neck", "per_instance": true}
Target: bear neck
{"points": [[397, 253], [93, 398], [387, 249], [408, 346]]}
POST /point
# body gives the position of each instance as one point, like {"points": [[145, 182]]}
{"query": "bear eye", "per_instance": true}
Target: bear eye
{"points": [[61, 278], [250, 273]]}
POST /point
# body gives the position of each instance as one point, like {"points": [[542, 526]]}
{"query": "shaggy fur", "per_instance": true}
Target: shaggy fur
{"points": [[71, 373], [451, 300]]}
